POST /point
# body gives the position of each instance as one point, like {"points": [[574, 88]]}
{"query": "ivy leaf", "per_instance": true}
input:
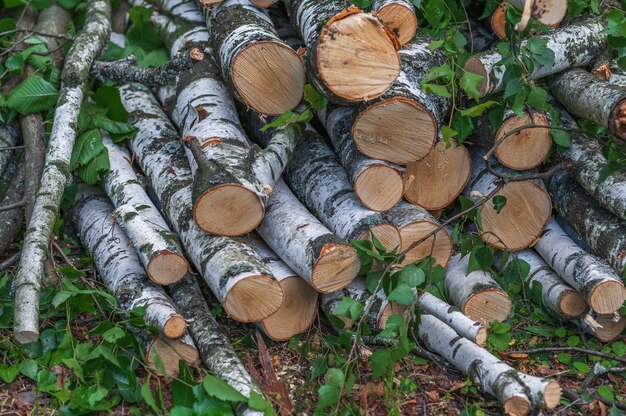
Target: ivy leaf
{"points": [[33, 95], [402, 295], [470, 82]]}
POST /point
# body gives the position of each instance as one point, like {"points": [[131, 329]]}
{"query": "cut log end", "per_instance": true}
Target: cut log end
{"points": [[336, 267], [254, 298], [608, 329], [486, 306], [392, 308], [552, 394], [356, 59], [379, 187], [400, 19], [618, 120], [526, 149], [26, 337], [517, 406], [498, 21], [549, 12], [475, 66], [572, 304], [397, 130], [481, 337], [167, 267], [263, 4], [170, 352], [229, 210], [435, 181], [296, 314], [607, 297], [441, 251], [519, 224], [175, 327], [387, 234], [269, 76]]}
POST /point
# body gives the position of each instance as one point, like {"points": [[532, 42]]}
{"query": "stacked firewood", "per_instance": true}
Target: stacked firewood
{"points": [[266, 217]]}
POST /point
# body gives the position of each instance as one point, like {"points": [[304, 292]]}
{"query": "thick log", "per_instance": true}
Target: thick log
{"points": [[324, 260], [523, 150], [402, 125], [185, 9], [476, 294], [321, 184], [12, 220], [557, 297], [260, 70], [520, 222], [232, 270], [573, 45], [618, 75], [117, 263], [398, 16], [75, 73], [299, 309], [168, 352], [264, 4], [517, 392], [595, 100], [350, 55], [414, 224], [606, 328], [435, 181], [548, 12], [157, 246], [377, 184], [284, 28]]}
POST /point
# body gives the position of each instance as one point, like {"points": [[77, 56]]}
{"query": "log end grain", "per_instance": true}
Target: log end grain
{"points": [[229, 210], [441, 250], [392, 308], [387, 234], [517, 406], [263, 4], [296, 314], [519, 224], [572, 304], [379, 187], [26, 337], [254, 298], [527, 148], [549, 12], [607, 297], [437, 180], [400, 19], [609, 329], [397, 130], [335, 268], [356, 59], [167, 267], [475, 66], [170, 352], [552, 394], [618, 120], [498, 21], [269, 76], [175, 327], [486, 306], [481, 337]]}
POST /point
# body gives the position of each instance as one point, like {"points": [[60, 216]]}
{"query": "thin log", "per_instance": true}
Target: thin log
{"points": [[12, 221], [118, 265], [402, 125], [548, 12], [398, 16], [377, 184], [324, 260], [523, 150], [595, 100], [259, 69], [618, 75], [56, 171], [476, 294], [232, 270], [573, 45], [157, 246], [186, 10], [350, 55], [168, 352], [435, 181], [606, 328], [9, 135], [264, 4], [321, 184], [519, 223], [414, 224]]}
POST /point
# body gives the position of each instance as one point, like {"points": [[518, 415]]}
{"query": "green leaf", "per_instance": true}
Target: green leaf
{"points": [[478, 109], [481, 258], [437, 90], [381, 363], [90, 173], [87, 147], [316, 100], [220, 390], [562, 138], [61, 297], [327, 396], [499, 202], [619, 348], [470, 82], [538, 97], [349, 308], [147, 396], [334, 377], [32, 95], [564, 358], [182, 391], [8, 374], [412, 276], [28, 368], [606, 392], [97, 395], [464, 125], [113, 334], [402, 295]]}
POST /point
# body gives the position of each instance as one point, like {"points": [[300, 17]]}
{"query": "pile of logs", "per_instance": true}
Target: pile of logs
{"points": [[265, 219]]}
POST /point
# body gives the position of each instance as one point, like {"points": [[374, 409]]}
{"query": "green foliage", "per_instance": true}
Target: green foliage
{"points": [[33, 95], [616, 30], [315, 101]]}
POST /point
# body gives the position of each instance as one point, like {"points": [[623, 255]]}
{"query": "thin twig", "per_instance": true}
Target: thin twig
{"points": [[571, 349], [10, 261], [9, 207], [7, 148]]}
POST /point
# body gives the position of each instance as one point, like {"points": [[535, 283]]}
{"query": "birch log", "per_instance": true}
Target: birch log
{"points": [[185, 9], [435, 181], [259, 69], [557, 297], [618, 75], [606, 328], [9, 135], [415, 224], [548, 12], [118, 266], [321, 184], [377, 184], [401, 126], [12, 220], [398, 16], [168, 352], [157, 246], [523, 150], [298, 311], [322, 259], [476, 294], [263, 4], [573, 45], [232, 270], [350, 56], [517, 393], [595, 100], [75, 73], [284, 28], [520, 222]]}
